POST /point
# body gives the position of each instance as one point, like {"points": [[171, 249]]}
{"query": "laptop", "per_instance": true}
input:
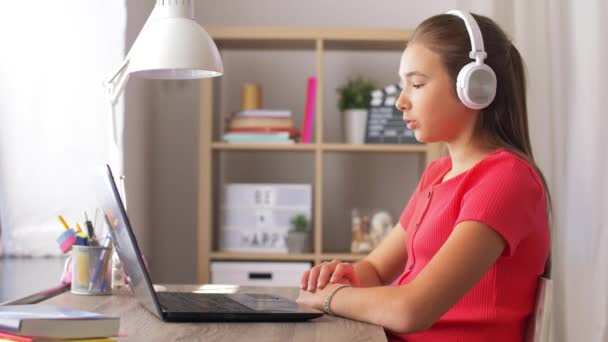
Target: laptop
{"points": [[187, 306]]}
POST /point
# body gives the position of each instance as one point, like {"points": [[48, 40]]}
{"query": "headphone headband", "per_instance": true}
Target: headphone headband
{"points": [[476, 81], [478, 52]]}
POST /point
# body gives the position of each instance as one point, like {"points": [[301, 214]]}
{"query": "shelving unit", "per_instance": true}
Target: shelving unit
{"points": [[339, 172]]}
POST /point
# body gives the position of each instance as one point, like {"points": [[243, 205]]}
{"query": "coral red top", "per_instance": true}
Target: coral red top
{"points": [[504, 192]]}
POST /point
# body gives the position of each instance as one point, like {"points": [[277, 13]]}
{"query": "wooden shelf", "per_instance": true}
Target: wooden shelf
{"points": [[421, 148], [267, 147], [285, 256], [261, 256], [318, 170], [297, 33], [243, 37], [342, 256], [416, 148]]}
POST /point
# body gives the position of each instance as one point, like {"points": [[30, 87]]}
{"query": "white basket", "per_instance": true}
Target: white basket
{"points": [[258, 273]]}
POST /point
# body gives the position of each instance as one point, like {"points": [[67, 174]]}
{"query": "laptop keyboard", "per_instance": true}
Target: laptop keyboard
{"points": [[197, 302]]}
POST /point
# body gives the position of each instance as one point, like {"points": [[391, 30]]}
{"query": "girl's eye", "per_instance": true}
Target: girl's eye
{"points": [[417, 86]]}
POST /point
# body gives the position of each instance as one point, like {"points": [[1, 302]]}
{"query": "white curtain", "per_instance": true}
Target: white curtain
{"points": [[582, 258], [54, 117], [565, 47]]}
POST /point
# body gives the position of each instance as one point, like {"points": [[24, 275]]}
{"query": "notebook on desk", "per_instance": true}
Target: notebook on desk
{"points": [[187, 306]]}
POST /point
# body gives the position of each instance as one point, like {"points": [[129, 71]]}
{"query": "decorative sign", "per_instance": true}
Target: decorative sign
{"points": [[255, 217], [385, 122]]}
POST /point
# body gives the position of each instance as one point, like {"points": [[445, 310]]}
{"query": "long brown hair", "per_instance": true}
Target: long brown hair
{"points": [[505, 120]]}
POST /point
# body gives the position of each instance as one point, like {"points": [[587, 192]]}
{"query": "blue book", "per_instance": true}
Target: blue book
{"points": [[53, 322], [277, 113], [256, 137]]}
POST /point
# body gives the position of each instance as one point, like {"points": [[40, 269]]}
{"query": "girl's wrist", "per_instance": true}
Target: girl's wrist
{"points": [[327, 302]]}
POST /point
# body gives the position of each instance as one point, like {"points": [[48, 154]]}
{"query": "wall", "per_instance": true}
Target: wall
{"points": [[54, 120], [139, 106], [174, 127]]}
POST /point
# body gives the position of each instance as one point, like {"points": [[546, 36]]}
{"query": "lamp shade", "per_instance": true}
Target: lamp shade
{"points": [[171, 45], [175, 48]]}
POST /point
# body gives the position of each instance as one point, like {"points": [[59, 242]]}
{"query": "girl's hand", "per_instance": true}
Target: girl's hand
{"points": [[332, 272]]}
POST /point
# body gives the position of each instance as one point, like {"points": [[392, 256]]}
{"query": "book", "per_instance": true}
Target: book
{"points": [[309, 112], [53, 322], [289, 141], [257, 137], [276, 113], [293, 132], [7, 337], [258, 121]]}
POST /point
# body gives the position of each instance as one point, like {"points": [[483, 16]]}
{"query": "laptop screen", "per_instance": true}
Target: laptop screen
{"points": [[125, 243]]}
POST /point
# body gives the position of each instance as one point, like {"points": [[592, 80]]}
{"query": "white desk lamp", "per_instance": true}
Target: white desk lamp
{"points": [[171, 45]]}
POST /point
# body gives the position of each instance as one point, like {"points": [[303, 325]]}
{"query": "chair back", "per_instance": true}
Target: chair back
{"points": [[540, 320]]}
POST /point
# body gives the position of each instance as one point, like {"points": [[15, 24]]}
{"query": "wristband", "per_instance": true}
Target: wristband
{"points": [[331, 295]]}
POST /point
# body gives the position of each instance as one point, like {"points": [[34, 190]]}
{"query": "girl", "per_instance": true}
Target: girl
{"points": [[463, 262]]}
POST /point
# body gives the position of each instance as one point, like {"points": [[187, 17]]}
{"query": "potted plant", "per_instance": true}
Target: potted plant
{"points": [[355, 96], [298, 237]]}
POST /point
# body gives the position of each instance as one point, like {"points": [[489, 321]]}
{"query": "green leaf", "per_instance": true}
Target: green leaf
{"points": [[355, 94], [299, 223]]}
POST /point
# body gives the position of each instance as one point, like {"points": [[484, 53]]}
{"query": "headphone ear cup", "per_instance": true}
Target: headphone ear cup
{"points": [[460, 85], [476, 85]]}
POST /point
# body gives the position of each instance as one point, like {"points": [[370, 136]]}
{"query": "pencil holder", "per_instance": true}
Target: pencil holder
{"points": [[91, 270]]}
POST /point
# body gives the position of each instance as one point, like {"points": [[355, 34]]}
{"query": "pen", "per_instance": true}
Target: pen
{"points": [[89, 226], [95, 220], [104, 266], [100, 262], [65, 224]]}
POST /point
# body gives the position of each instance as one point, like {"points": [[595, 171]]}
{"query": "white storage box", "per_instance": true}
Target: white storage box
{"points": [[247, 273], [255, 217], [237, 195]]}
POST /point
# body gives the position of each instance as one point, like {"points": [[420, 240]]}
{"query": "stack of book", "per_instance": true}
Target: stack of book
{"points": [[38, 323], [261, 126]]}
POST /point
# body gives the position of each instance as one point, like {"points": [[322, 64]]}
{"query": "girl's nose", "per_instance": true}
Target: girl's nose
{"points": [[402, 103]]}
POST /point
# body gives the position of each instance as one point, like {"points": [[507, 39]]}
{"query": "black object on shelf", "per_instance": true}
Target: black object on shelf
{"points": [[384, 121]]}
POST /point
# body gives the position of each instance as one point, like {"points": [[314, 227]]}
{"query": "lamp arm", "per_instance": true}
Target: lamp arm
{"points": [[117, 80], [114, 137], [115, 84]]}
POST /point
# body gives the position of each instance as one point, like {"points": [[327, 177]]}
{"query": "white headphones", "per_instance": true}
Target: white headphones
{"points": [[476, 81]]}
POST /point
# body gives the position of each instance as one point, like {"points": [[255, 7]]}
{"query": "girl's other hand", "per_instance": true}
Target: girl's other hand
{"points": [[332, 272]]}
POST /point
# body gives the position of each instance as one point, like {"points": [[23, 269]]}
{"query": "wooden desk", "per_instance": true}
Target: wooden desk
{"points": [[141, 325]]}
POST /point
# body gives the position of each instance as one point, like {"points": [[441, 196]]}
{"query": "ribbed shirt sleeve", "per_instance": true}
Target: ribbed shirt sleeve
{"points": [[504, 197]]}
